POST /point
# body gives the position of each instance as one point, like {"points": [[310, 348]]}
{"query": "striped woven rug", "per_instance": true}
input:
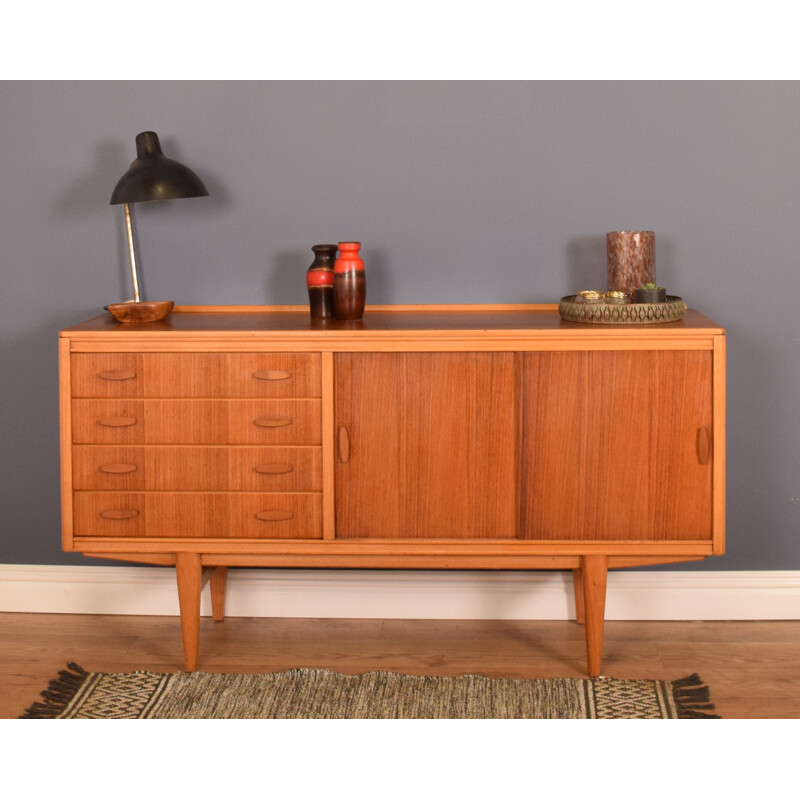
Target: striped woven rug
{"points": [[322, 694]]}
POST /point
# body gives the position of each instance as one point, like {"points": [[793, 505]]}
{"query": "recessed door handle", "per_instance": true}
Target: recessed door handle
{"points": [[272, 375], [122, 513], [117, 422], [117, 375], [272, 469], [344, 445], [117, 469], [272, 422], [703, 445]]}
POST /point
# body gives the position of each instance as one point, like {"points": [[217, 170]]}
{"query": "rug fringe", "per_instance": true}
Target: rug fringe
{"points": [[58, 694], [692, 698]]}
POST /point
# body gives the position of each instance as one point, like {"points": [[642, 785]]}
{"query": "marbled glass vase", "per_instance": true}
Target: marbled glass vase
{"points": [[631, 260]]}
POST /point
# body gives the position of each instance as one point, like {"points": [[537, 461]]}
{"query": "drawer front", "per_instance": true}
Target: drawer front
{"points": [[189, 515], [244, 469], [107, 374], [195, 375], [264, 422]]}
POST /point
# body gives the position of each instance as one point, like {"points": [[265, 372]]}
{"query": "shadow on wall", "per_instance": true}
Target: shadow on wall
{"points": [[88, 195], [586, 257], [92, 189], [286, 277]]}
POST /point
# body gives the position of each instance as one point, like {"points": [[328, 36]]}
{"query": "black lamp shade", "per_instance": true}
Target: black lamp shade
{"points": [[154, 177]]}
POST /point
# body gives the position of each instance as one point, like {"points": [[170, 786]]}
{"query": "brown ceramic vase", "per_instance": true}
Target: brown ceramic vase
{"points": [[349, 282]]}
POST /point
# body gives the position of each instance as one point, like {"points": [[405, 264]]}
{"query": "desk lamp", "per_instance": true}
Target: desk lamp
{"points": [[151, 177]]}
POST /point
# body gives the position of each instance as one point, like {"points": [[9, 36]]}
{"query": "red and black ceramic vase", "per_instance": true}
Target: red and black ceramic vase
{"points": [[319, 280], [349, 282]]}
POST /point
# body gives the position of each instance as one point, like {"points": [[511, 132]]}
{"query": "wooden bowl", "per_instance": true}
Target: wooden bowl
{"points": [[153, 311]]}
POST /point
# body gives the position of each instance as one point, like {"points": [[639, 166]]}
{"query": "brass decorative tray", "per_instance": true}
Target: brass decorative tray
{"points": [[621, 313]]}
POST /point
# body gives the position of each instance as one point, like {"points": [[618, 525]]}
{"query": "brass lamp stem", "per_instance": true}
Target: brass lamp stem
{"points": [[132, 251]]}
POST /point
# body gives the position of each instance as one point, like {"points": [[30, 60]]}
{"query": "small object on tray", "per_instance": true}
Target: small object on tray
{"points": [[650, 293], [617, 298], [592, 296], [589, 296], [575, 309]]}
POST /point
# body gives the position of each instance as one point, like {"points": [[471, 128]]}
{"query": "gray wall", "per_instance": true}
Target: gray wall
{"points": [[460, 192]]}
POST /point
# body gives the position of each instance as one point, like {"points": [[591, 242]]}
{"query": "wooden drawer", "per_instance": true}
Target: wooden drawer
{"points": [[195, 375], [243, 469], [264, 422], [189, 515]]}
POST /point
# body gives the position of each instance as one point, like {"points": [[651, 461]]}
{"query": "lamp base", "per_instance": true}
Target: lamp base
{"points": [[153, 311]]}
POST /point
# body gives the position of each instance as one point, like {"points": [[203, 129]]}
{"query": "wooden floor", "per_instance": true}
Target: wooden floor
{"points": [[753, 668]]}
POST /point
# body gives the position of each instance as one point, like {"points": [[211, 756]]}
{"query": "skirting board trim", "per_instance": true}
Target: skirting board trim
{"points": [[357, 594]]}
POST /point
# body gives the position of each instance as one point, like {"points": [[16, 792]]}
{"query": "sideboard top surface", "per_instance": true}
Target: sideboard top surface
{"points": [[388, 321]]}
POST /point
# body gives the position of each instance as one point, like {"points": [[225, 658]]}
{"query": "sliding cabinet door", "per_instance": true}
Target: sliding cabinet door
{"points": [[617, 445], [427, 445]]}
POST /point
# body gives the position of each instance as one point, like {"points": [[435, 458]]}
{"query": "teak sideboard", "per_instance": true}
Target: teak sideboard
{"points": [[450, 437]]}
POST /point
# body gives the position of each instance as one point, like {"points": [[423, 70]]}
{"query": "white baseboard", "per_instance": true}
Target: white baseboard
{"points": [[354, 594]]}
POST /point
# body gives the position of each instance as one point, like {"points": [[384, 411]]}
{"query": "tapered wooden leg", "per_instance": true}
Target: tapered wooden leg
{"points": [[219, 583], [595, 570], [577, 580], [190, 583]]}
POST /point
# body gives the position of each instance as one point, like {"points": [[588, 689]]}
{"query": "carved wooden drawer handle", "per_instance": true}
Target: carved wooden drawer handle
{"points": [[272, 375], [117, 422], [703, 445], [272, 469], [117, 469], [344, 445], [272, 422], [117, 375], [123, 513], [274, 516]]}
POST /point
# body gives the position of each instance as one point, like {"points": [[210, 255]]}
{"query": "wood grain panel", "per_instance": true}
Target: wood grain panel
{"points": [[65, 442], [718, 445], [107, 375], [432, 445], [197, 422], [180, 468], [199, 375], [275, 469], [274, 375], [293, 320], [91, 463], [610, 446], [328, 454], [197, 515]]}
